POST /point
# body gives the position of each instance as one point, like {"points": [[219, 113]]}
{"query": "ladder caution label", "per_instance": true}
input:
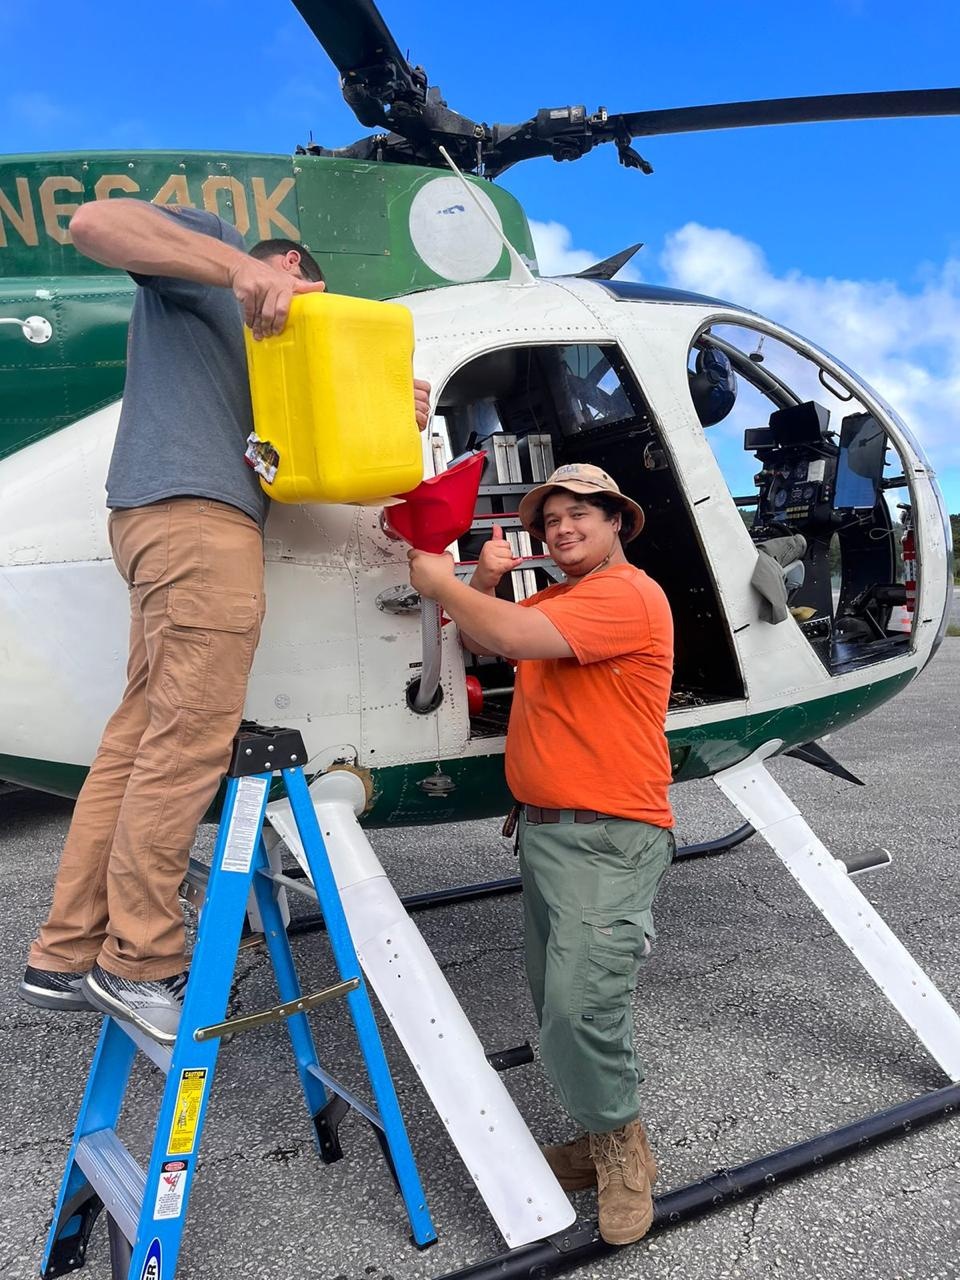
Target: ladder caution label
{"points": [[245, 822], [186, 1113], [171, 1190]]}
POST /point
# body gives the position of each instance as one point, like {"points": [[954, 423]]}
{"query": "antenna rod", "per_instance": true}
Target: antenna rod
{"points": [[520, 273]]}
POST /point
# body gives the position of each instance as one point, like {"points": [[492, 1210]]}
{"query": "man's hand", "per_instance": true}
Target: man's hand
{"points": [[429, 573], [496, 559], [264, 293], [421, 401]]}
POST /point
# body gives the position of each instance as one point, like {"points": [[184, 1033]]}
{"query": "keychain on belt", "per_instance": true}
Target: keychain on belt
{"points": [[511, 828]]}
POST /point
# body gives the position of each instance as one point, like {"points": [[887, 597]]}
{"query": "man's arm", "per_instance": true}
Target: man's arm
{"points": [[496, 560], [134, 236], [498, 626]]}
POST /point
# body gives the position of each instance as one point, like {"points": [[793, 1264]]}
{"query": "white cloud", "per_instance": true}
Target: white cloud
{"points": [[556, 255], [905, 343]]}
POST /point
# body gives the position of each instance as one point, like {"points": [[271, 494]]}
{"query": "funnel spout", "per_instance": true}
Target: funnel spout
{"points": [[432, 653]]}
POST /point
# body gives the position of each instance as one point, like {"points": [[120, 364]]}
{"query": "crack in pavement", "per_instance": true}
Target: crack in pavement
{"points": [[754, 953], [478, 956], [749, 1232], [711, 1129], [929, 1175]]}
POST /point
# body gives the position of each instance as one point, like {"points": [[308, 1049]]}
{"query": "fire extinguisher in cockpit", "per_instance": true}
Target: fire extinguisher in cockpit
{"points": [[909, 550]]}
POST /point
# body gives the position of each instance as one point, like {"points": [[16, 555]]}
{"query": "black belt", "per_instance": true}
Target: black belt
{"points": [[534, 814]]}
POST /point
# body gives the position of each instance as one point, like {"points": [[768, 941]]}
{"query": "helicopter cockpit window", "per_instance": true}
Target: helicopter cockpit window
{"points": [[569, 389], [534, 408], [802, 455], [591, 392]]}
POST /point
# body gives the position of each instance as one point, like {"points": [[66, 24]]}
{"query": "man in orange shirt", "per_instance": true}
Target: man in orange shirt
{"points": [[587, 758]]}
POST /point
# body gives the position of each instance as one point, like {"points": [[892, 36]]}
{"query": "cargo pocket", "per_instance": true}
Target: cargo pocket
{"points": [[208, 647], [616, 943]]}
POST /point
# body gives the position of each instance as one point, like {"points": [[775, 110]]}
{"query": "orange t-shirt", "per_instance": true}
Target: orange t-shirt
{"points": [[587, 732]]}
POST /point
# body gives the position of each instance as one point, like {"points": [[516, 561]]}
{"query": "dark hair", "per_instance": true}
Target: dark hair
{"points": [[608, 503], [271, 248], [612, 506]]}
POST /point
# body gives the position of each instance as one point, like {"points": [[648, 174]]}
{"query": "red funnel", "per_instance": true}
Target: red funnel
{"points": [[440, 509]]}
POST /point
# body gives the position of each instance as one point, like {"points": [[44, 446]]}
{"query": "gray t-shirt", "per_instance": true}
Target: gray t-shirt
{"points": [[186, 403]]}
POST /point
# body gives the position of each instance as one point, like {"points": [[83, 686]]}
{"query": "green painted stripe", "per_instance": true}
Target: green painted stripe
{"points": [[354, 216], [480, 790], [695, 753]]}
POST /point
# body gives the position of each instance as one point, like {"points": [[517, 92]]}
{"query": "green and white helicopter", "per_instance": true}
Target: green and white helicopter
{"points": [[534, 372]]}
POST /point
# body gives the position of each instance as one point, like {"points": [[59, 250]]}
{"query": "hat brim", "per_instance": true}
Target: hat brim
{"points": [[531, 505]]}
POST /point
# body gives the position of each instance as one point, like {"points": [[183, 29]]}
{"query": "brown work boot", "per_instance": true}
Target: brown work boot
{"points": [[623, 1186], [573, 1165]]}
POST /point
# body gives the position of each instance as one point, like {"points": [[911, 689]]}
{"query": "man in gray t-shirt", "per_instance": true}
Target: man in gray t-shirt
{"points": [[186, 534], [187, 366]]}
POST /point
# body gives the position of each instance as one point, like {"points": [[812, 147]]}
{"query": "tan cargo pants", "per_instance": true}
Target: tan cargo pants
{"points": [[195, 572]]}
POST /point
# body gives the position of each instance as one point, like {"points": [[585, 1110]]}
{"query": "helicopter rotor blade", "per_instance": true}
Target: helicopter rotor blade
{"points": [[834, 106], [374, 73], [353, 33], [567, 133], [386, 93]]}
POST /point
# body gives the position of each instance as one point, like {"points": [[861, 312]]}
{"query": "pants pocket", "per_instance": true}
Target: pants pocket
{"points": [[208, 646], [140, 543], [616, 942], [648, 851]]}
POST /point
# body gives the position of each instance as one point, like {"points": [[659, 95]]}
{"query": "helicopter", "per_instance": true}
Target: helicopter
{"points": [[531, 373]]}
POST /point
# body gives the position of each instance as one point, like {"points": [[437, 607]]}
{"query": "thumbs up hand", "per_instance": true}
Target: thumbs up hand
{"points": [[496, 559]]}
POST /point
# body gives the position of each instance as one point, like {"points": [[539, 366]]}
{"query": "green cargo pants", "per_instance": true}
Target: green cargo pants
{"points": [[588, 889]]}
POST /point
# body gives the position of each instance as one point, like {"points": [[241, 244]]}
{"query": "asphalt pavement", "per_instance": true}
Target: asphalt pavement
{"points": [[758, 1028]]}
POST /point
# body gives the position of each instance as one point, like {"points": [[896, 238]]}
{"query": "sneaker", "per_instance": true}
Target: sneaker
{"points": [[573, 1167], [624, 1198], [154, 1006], [48, 989]]}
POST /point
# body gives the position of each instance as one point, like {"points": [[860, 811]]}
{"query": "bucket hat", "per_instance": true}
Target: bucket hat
{"points": [[577, 477]]}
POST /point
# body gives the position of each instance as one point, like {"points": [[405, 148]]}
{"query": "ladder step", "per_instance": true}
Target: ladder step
{"points": [[115, 1176], [159, 1054]]}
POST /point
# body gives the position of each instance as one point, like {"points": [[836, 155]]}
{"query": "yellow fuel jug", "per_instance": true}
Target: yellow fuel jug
{"points": [[333, 396]]}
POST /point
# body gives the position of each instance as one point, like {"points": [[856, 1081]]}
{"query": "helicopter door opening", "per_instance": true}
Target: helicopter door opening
{"points": [[802, 455], [532, 409]]}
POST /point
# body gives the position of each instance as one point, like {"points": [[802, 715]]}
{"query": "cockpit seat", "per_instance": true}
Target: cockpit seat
{"points": [[778, 574]]}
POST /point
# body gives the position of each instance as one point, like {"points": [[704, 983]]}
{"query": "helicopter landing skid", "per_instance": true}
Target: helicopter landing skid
{"points": [[582, 1244], [313, 923], [826, 880]]}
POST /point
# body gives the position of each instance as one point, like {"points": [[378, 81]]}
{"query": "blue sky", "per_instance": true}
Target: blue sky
{"points": [[848, 232]]}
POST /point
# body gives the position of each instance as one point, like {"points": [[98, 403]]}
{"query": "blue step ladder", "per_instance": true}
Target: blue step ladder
{"points": [[146, 1209]]}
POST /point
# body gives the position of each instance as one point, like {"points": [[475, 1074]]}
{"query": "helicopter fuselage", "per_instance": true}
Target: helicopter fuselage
{"points": [[338, 653]]}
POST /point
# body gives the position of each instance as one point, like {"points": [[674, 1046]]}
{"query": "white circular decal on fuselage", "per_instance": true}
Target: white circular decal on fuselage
{"points": [[450, 233]]}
